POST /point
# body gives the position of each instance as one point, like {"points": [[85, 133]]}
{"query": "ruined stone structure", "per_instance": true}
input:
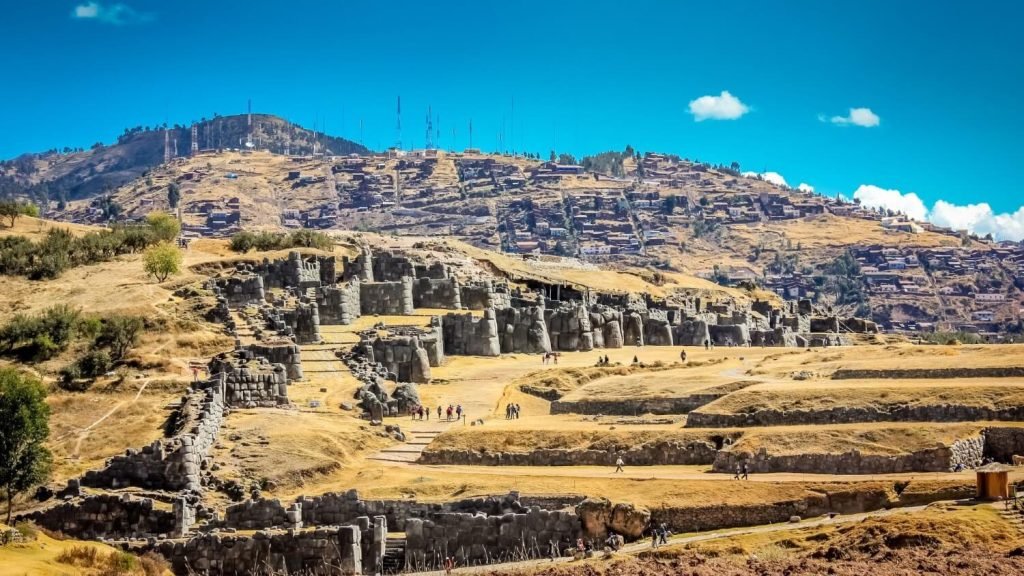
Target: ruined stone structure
{"points": [[466, 335], [171, 463], [522, 330], [386, 298], [105, 516], [339, 304], [437, 293], [247, 380]]}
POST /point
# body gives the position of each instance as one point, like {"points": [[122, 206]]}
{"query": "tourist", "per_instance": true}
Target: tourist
{"points": [[619, 464], [554, 356], [636, 360], [746, 475], [438, 411], [707, 345], [449, 564], [458, 412], [682, 356], [606, 361], [508, 411], [654, 537], [517, 411], [426, 413], [663, 533], [737, 475]]}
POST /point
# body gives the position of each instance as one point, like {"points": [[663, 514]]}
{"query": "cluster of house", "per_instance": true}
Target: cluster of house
{"points": [[959, 275], [220, 217]]}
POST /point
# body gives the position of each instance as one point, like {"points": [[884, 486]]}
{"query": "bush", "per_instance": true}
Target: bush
{"points": [[42, 336], [94, 363], [266, 241], [162, 260], [60, 250]]}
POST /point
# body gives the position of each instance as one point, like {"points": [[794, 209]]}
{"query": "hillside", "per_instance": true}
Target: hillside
{"points": [[71, 174]]}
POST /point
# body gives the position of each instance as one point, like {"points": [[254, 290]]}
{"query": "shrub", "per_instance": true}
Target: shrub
{"points": [[265, 241], [94, 363], [42, 336], [162, 260]]}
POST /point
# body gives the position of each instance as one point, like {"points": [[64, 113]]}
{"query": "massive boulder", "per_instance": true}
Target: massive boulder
{"points": [[599, 516]]}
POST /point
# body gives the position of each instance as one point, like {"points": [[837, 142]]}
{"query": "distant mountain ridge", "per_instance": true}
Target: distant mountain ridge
{"points": [[69, 174]]}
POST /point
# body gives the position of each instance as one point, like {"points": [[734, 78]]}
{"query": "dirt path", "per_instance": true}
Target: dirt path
{"points": [[84, 432], [642, 545]]}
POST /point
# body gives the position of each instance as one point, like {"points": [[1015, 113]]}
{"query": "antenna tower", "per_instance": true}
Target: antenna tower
{"points": [[167, 145], [398, 125], [195, 139], [429, 142], [470, 132], [248, 126]]}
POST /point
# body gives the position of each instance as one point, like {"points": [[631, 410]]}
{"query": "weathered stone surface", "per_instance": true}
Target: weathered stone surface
{"points": [[599, 517]]}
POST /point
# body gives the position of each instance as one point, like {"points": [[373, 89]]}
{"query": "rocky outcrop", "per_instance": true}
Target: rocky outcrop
{"points": [[599, 517]]}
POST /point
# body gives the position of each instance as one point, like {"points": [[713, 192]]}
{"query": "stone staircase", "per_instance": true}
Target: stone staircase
{"points": [[394, 556], [418, 437], [1013, 515]]}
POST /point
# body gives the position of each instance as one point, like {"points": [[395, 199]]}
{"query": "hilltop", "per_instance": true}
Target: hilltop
{"points": [[71, 174]]}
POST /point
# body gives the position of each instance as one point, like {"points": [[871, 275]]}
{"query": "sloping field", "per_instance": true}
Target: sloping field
{"points": [[873, 439]]}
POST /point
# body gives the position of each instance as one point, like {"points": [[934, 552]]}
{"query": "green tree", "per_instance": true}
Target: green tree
{"points": [[10, 209], [173, 195], [162, 260], [120, 334], [164, 226], [24, 427]]}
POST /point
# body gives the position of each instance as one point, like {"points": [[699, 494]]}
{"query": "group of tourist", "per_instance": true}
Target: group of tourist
{"points": [[659, 535], [551, 357], [511, 411], [421, 413]]}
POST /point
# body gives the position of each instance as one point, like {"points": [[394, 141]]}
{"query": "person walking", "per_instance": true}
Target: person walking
{"points": [[737, 475], [438, 411], [458, 412], [449, 564], [654, 537], [517, 411], [663, 533], [619, 464], [746, 475]]}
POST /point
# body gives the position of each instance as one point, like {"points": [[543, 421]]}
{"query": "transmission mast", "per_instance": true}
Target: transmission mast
{"points": [[429, 142], [195, 139], [167, 145], [248, 126], [398, 125]]}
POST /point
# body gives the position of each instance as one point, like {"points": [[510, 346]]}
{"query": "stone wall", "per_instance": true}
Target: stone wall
{"points": [[386, 298], [931, 373], [330, 550], [1002, 444], [479, 539], [466, 335], [729, 334], [285, 353], [251, 381], [484, 294], [606, 324], [403, 356], [105, 516], [522, 330], [338, 304], [569, 328], [661, 453], [171, 463], [299, 320], [691, 332], [848, 415], [242, 290], [437, 293], [965, 453], [634, 406]]}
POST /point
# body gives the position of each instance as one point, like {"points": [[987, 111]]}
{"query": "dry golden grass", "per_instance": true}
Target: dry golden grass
{"points": [[939, 526], [877, 394], [48, 556], [868, 439]]}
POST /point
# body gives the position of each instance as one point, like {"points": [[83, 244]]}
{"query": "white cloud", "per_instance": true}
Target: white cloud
{"points": [[805, 187], [863, 117], [975, 218], [979, 219], [725, 106], [115, 14], [875, 197], [771, 177]]}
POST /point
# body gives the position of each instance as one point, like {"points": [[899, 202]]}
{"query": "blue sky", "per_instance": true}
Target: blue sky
{"points": [[943, 79]]}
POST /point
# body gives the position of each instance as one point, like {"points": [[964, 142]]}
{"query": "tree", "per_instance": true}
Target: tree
{"points": [[120, 333], [173, 195], [24, 427], [10, 209], [162, 260], [164, 226], [553, 156]]}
